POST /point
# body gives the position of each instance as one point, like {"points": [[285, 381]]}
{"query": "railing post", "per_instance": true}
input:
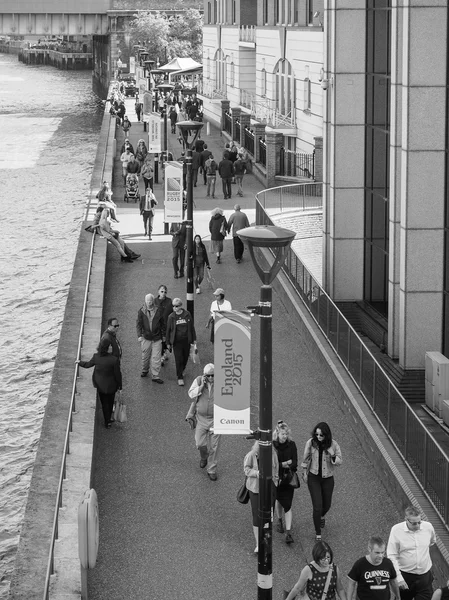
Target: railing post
{"points": [[446, 495], [389, 408], [425, 462], [349, 348], [361, 366]]}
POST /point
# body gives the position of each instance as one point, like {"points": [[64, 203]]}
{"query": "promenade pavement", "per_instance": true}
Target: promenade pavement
{"points": [[166, 530]]}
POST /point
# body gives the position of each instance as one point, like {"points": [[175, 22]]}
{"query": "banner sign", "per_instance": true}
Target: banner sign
{"points": [[173, 212], [154, 131], [132, 65], [232, 382]]}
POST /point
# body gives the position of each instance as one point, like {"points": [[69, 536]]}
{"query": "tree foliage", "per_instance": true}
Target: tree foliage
{"points": [[167, 36]]}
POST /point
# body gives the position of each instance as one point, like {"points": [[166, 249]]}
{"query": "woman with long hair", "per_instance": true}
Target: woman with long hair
{"points": [[200, 259], [288, 464], [321, 455], [141, 152], [320, 579], [251, 469], [217, 227]]}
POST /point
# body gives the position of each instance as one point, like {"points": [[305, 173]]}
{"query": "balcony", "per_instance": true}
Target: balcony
{"points": [[247, 36], [208, 89], [264, 109]]}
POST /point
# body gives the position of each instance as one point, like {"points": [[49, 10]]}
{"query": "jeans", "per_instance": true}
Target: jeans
{"points": [[151, 352], [179, 255], [181, 350], [148, 216], [204, 438], [211, 185], [195, 176], [198, 274], [238, 247], [148, 182], [239, 181], [321, 491], [227, 189]]}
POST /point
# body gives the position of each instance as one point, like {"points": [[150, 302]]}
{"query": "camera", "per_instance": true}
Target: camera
{"points": [[325, 84]]}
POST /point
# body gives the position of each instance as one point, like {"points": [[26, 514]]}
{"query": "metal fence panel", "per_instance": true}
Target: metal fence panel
{"points": [[436, 476], [381, 385], [416, 446], [398, 419], [343, 339], [355, 356]]}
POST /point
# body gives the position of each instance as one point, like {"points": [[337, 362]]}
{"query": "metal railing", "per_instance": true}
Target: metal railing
{"points": [[247, 33], [295, 164], [248, 140], [265, 109], [425, 458], [227, 123], [207, 87], [298, 196], [66, 448], [262, 151]]}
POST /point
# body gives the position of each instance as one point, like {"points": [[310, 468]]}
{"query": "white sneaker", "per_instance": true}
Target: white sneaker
{"points": [[198, 291], [180, 381]]}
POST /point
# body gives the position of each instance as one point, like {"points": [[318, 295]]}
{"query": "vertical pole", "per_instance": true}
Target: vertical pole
{"points": [[165, 134], [265, 559], [189, 234]]}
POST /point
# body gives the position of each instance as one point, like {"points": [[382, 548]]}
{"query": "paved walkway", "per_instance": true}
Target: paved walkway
{"points": [[166, 530]]}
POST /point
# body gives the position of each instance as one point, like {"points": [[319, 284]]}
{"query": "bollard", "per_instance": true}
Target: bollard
{"points": [[208, 128], [88, 536]]}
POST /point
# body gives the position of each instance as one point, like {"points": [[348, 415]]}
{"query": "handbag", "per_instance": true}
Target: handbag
{"points": [[223, 229], [120, 411], [294, 481], [194, 357], [243, 494]]}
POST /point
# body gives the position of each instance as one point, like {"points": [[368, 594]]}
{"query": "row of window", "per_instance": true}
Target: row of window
{"points": [[284, 82], [281, 12]]}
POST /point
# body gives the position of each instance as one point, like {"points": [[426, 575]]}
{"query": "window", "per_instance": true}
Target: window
{"points": [[377, 144], [220, 71], [232, 75], [264, 83], [265, 12], [310, 12], [209, 13], [296, 11], [234, 20], [307, 94], [284, 82]]}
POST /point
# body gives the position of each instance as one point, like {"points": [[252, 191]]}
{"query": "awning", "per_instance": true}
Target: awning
{"points": [[179, 64]]}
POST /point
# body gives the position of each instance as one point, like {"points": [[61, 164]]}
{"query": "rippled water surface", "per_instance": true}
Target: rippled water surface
{"points": [[49, 123]]}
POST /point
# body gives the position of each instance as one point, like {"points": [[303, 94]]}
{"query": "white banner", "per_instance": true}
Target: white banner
{"points": [[232, 383], [154, 133], [173, 192], [132, 65]]}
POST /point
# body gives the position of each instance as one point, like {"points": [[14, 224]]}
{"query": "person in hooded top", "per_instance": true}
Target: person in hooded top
{"points": [[217, 227]]}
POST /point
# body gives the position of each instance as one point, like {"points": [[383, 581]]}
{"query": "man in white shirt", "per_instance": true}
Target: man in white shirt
{"points": [[409, 550]]}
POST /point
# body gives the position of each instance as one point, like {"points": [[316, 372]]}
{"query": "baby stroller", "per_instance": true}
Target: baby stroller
{"points": [[132, 188]]}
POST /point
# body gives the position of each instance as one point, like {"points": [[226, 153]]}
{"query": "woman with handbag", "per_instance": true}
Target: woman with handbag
{"points": [[288, 478], [320, 579], [218, 227], [321, 455], [251, 469]]}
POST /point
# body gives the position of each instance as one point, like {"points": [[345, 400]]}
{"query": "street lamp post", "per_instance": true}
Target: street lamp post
{"points": [[189, 132], [164, 88], [278, 239]]}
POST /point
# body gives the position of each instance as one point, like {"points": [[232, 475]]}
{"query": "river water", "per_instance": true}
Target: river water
{"points": [[49, 123]]}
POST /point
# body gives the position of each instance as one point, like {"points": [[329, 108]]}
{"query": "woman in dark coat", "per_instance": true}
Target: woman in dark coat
{"points": [[200, 260], [288, 463], [217, 225], [106, 378]]}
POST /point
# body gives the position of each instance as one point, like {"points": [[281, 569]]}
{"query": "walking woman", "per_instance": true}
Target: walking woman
{"points": [[288, 464], [320, 579], [321, 455], [141, 152], [107, 377], [251, 469], [200, 259], [147, 171], [217, 227]]}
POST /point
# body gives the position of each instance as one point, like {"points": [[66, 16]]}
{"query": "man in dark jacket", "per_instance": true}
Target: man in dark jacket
{"points": [[110, 335], [205, 154], [150, 327], [196, 163], [180, 334], [226, 172], [178, 231]]}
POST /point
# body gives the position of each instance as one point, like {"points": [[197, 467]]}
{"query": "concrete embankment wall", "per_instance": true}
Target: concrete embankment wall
{"points": [[28, 579]]}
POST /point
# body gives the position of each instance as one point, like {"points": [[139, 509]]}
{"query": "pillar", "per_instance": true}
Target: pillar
{"points": [[225, 104], [275, 141], [236, 112], [318, 159], [245, 121], [259, 131]]}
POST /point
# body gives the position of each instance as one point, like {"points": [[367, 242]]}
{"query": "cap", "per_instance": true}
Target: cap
{"points": [[219, 291]]}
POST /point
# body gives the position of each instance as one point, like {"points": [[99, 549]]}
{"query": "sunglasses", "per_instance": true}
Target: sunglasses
{"points": [[116, 326]]}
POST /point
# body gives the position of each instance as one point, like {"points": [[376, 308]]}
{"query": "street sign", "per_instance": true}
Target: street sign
{"points": [[173, 204], [154, 131]]}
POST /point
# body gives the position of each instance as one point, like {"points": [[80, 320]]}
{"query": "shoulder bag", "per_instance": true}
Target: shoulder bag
{"points": [[223, 229], [243, 494]]}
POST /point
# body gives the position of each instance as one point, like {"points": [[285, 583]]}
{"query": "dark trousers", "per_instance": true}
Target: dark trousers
{"points": [[195, 176], [107, 404], [238, 247], [179, 255], [148, 182], [148, 216], [419, 586], [181, 350], [227, 189], [321, 490]]}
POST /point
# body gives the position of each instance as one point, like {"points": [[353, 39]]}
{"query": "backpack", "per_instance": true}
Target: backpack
{"points": [[211, 166]]}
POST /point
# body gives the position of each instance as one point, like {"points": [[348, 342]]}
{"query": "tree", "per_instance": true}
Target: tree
{"points": [[178, 35]]}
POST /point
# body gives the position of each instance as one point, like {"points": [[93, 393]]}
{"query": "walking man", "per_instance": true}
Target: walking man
{"points": [[373, 576], [111, 336], [205, 154], [239, 170], [409, 550], [178, 231], [147, 204], [210, 168], [150, 327], [226, 172], [238, 220], [202, 408], [180, 334]]}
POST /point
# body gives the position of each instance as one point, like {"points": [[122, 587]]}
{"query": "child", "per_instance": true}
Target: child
{"points": [[126, 126]]}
